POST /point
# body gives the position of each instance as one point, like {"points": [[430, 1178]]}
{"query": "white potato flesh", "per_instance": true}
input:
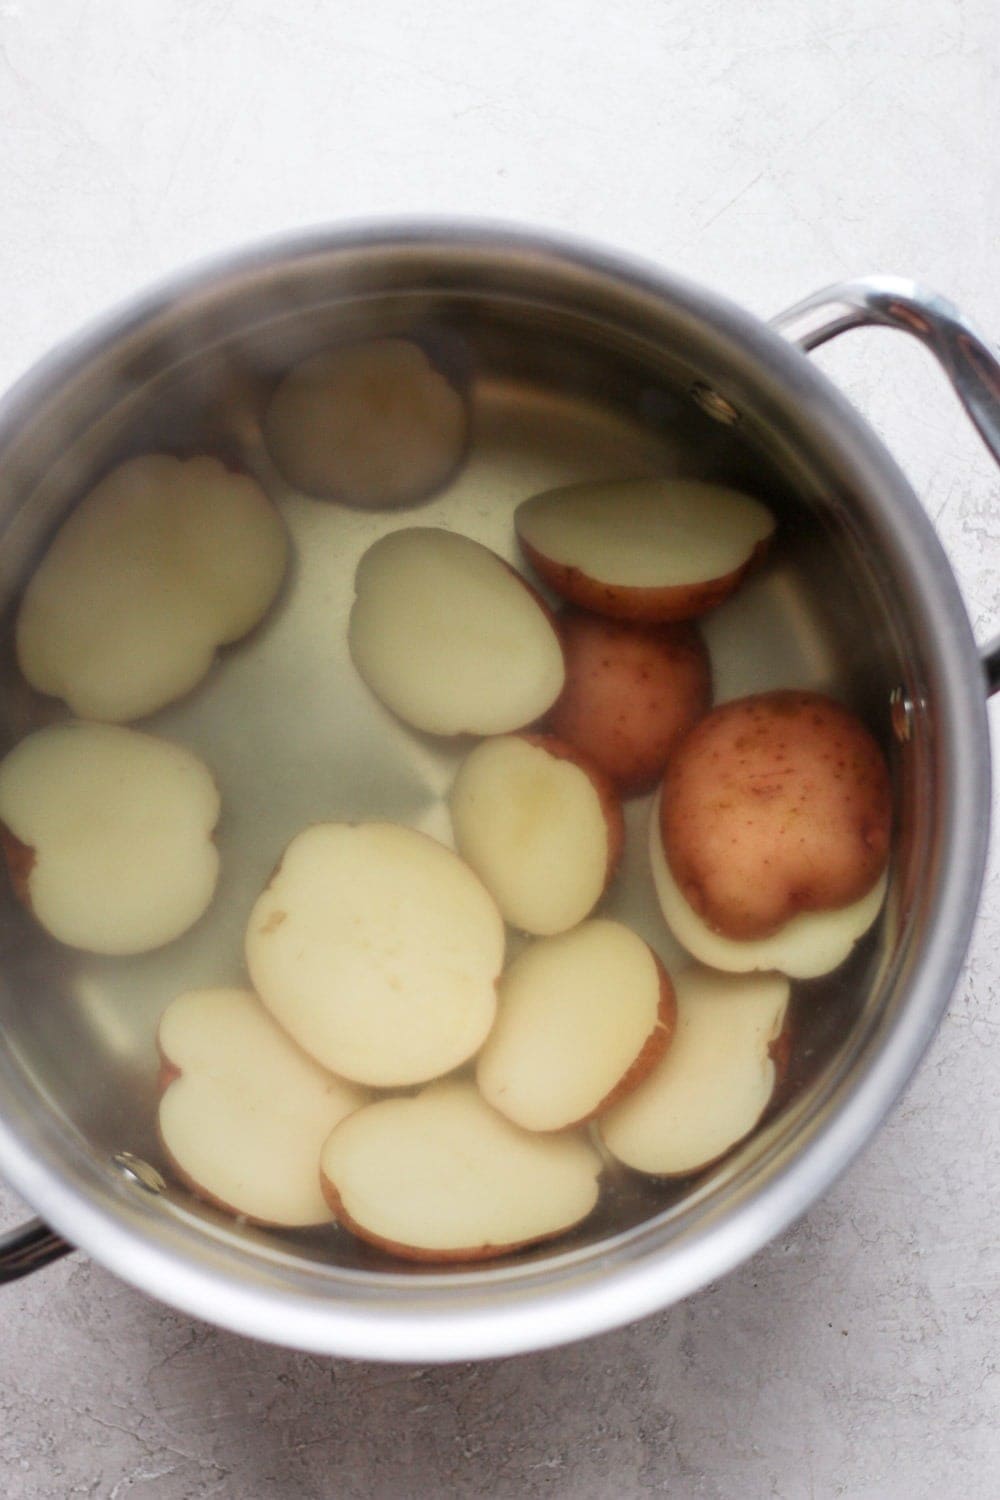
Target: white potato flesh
{"points": [[443, 1176], [713, 1084], [162, 563], [450, 638], [246, 1119], [119, 828], [378, 950], [646, 533], [576, 1014], [809, 944], [372, 424], [535, 830]]}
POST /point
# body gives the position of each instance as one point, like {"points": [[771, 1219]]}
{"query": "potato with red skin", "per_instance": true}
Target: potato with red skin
{"points": [[774, 805], [644, 549], [630, 691]]}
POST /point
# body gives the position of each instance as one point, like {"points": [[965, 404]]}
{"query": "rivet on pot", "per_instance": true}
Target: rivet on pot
{"points": [[714, 405], [139, 1172], [901, 714]]}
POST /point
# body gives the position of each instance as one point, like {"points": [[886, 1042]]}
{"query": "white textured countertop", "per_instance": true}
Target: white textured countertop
{"points": [[765, 150]]}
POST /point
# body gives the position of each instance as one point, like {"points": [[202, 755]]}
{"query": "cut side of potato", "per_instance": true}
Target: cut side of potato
{"points": [[378, 950], [246, 1114], [162, 563], [443, 1177], [715, 1082], [643, 549], [631, 691], [583, 1018], [372, 424], [450, 638], [808, 945], [540, 826], [774, 805], [108, 835]]}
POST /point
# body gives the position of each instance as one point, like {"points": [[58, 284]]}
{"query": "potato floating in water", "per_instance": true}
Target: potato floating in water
{"points": [[372, 424], [108, 835], [163, 562], [245, 1113], [450, 638], [643, 549], [443, 1177]]}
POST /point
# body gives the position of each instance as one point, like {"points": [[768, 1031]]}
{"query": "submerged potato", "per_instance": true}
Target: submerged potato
{"points": [[378, 950], [806, 946], [541, 827], [643, 549], [583, 1017], [163, 562], [245, 1113], [772, 806], [450, 638], [444, 1177], [108, 835], [631, 691], [373, 424], [712, 1086]]}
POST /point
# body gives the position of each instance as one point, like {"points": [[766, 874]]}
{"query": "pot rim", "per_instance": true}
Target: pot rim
{"points": [[547, 1313]]}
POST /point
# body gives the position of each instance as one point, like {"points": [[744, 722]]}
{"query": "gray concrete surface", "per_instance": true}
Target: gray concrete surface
{"points": [[765, 150]]}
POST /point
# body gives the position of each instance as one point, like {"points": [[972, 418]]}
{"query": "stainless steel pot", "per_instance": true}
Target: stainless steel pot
{"points": [[583, 362]]}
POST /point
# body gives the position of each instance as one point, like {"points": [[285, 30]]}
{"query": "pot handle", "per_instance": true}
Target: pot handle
{"points": [[892, 302], [28, 1248]]}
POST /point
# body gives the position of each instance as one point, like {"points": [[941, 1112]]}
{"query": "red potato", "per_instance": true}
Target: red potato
{"points": [[713, 1085], [443, 1177], [630, 691], [583, 1018], [540, 826], [807, 945], [243, 1112], [648, 550], [773, 806], [450, 638], [371, 424]]}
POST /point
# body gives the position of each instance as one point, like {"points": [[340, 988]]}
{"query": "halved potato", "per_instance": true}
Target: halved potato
{"points": [[443, 1177], [808, 945], [450, 638], [373, 424], [162, 563], [711, 1087], [541, 827], [631, 691], [245, 1112], [378, 950], [108, 835], [774, 805], [643, 549], [583, 1018]]}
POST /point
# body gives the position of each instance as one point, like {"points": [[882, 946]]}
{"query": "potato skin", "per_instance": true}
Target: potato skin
{"points": [[772, 805], [651, 606], [21, 860], [630, 691]]}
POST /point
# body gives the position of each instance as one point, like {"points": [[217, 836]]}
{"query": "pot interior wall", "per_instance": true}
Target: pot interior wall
{"points": [[563, 386]]}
